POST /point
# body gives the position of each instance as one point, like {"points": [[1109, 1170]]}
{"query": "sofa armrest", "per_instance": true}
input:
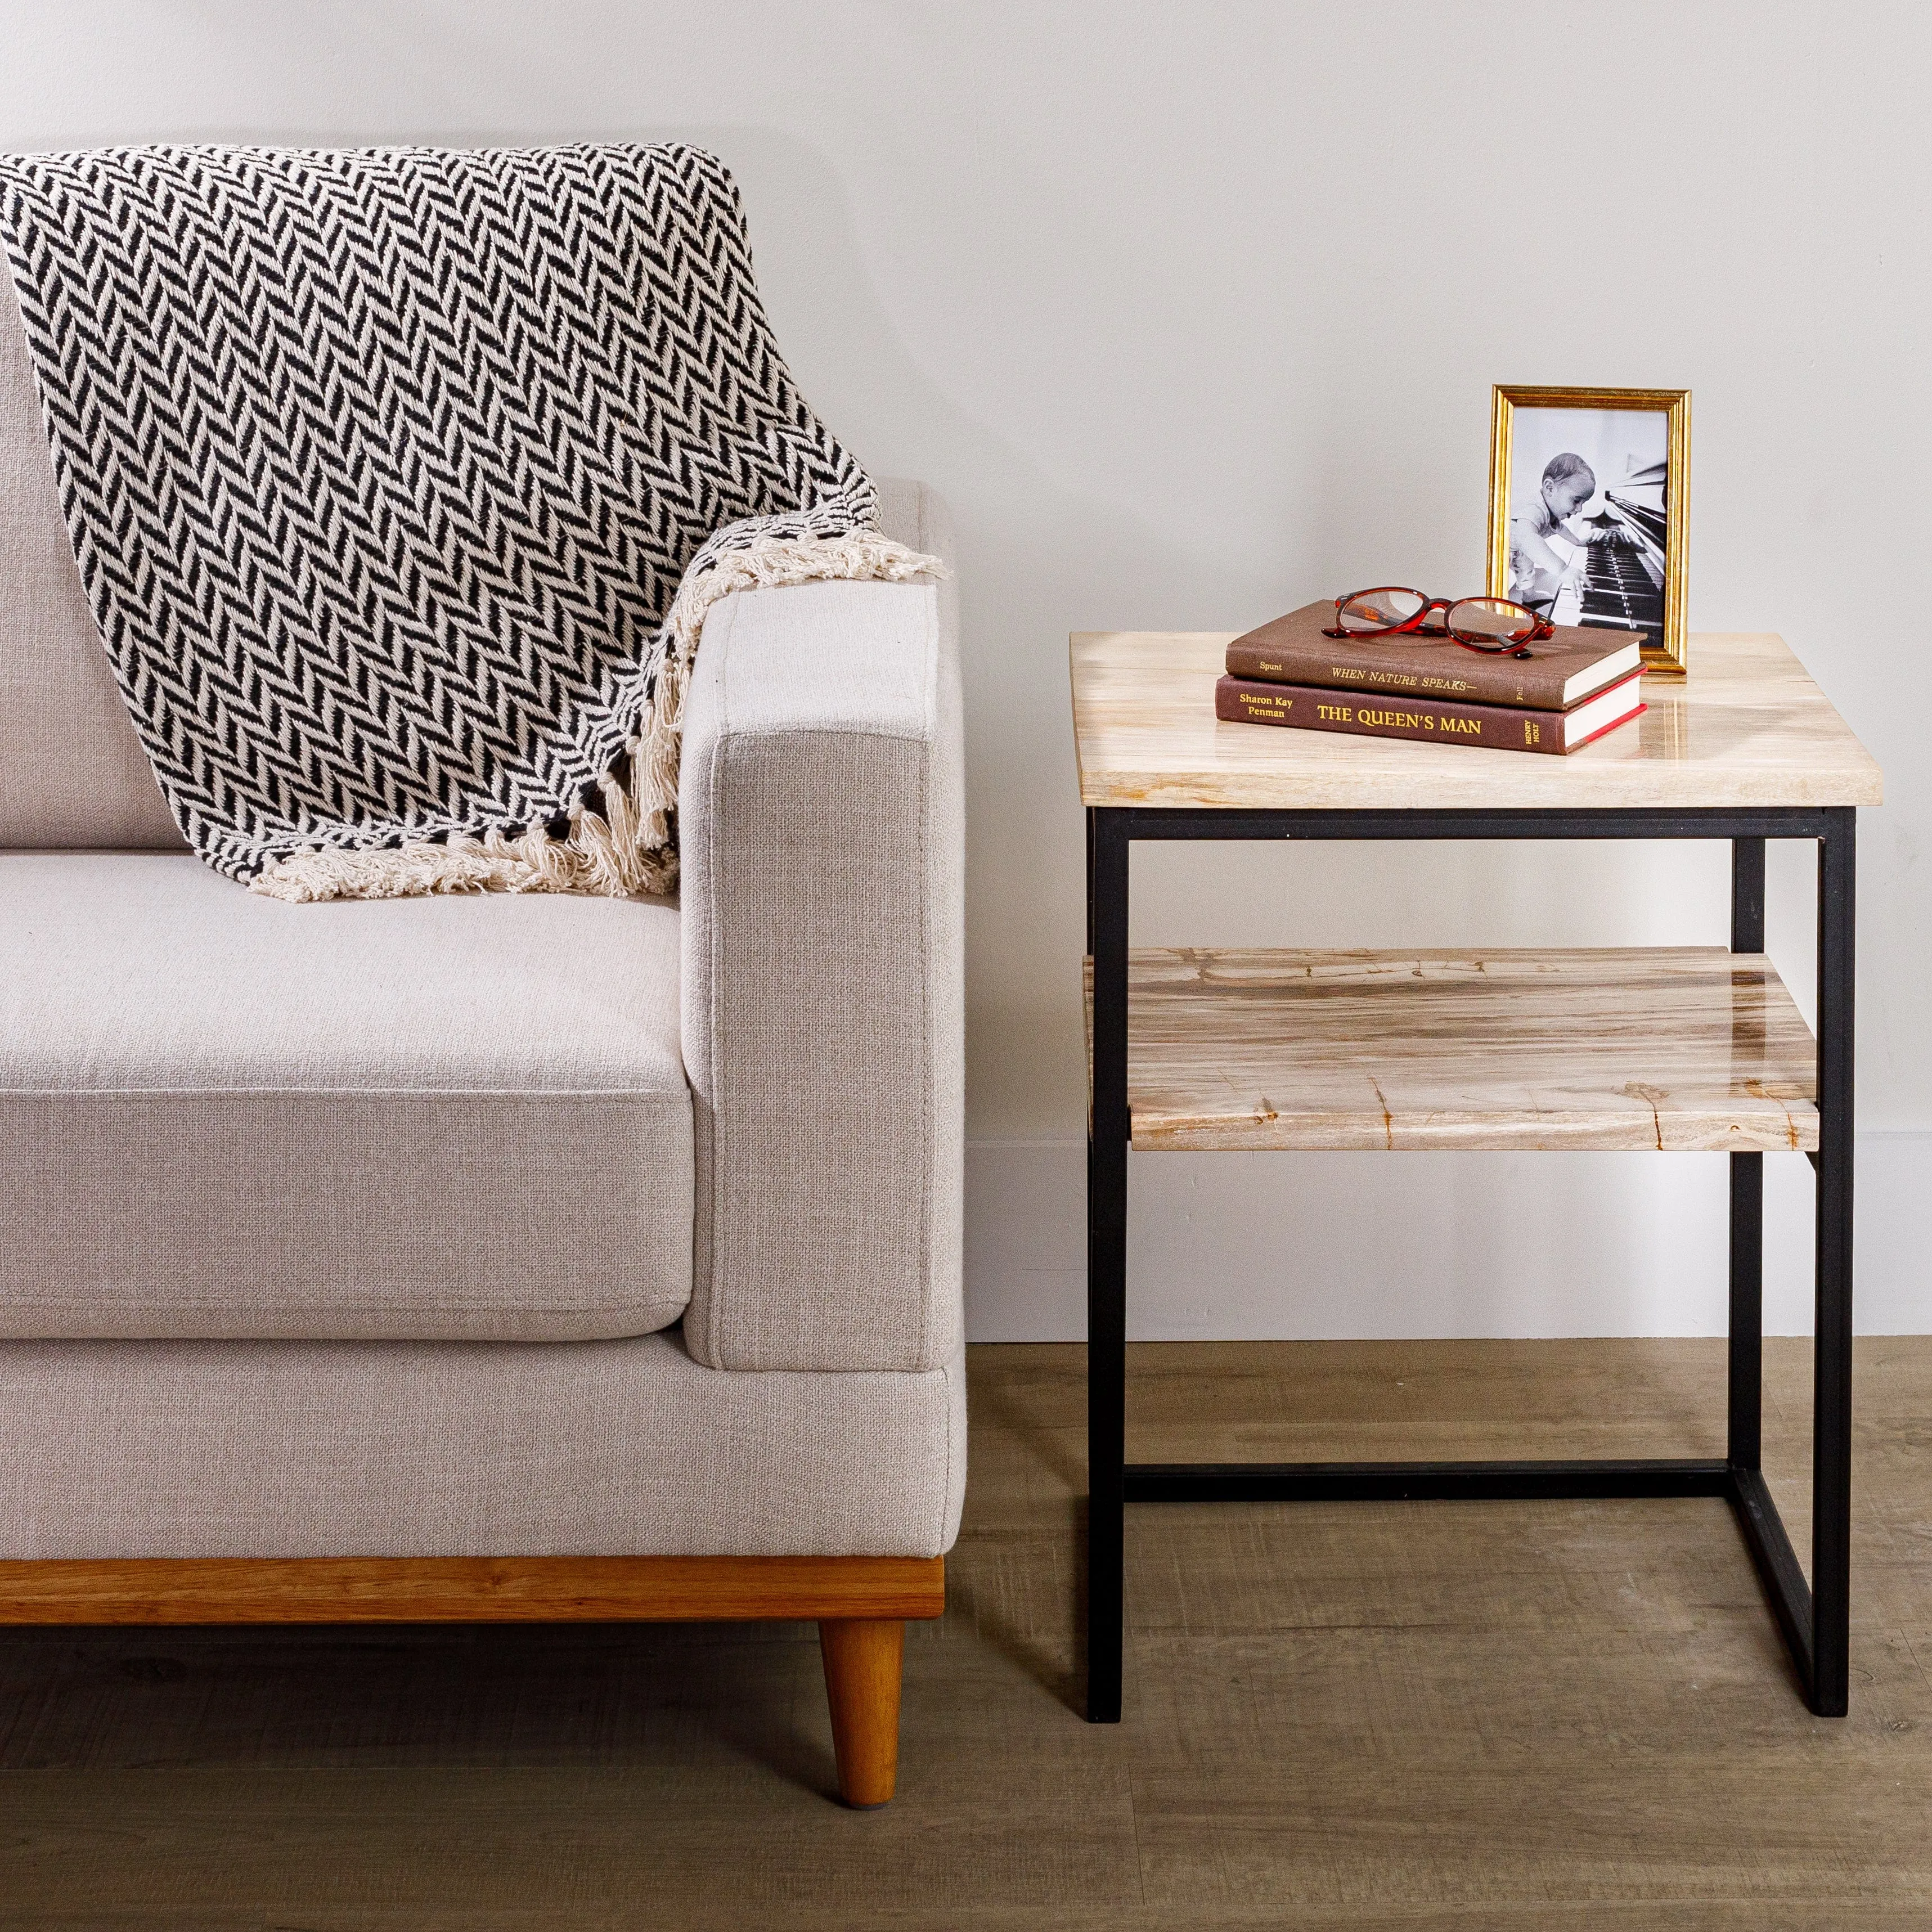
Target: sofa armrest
{"points": [[820, 819]]}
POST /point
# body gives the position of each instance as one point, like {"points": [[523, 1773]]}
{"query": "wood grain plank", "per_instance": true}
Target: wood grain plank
{"points": [[468, 1589]]}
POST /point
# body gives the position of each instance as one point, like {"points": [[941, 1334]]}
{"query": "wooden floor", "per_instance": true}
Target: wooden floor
{"points": [[1495, 1717]]}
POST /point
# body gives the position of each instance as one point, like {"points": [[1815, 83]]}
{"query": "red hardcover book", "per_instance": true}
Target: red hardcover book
{"points": [[1239, 700]]}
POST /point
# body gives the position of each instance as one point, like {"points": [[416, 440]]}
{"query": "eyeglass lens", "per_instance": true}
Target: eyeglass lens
{"points": [[1491, 622], [1379, 610]]}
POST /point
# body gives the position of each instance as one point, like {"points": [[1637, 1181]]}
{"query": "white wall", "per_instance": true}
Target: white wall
{"points": [[1193, 313]]}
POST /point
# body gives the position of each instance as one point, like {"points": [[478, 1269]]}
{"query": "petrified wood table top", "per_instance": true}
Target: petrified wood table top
{"points": [[1748, 727]]}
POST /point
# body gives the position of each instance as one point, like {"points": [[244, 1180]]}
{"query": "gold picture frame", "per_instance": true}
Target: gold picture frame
{"points": [[1665, 655]]}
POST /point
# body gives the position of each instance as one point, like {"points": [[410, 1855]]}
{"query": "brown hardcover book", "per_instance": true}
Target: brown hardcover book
{"points": [[1502, 728], [1560, 672]]}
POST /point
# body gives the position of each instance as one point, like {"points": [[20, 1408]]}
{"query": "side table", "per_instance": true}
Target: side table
{"points": [[1521, 1049]]}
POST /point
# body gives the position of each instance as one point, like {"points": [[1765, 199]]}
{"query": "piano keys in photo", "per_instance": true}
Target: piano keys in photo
{"points": [[1617, 582]]}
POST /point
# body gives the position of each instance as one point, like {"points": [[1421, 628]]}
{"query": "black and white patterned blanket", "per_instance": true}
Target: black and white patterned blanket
{"points": [[400, 480]]}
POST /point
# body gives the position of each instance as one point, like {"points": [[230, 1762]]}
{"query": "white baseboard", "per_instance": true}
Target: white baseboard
{"points": [[1366, 1245]]}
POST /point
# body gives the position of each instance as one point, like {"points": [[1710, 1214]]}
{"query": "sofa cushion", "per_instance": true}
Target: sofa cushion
{"points": [[221, 1116]]}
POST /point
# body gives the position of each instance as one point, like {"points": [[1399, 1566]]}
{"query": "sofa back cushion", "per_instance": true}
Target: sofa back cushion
{"points": [[72, 772]]}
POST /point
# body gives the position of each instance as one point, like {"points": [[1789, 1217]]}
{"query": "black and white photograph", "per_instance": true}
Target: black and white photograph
{"points": [[1584, 514]]}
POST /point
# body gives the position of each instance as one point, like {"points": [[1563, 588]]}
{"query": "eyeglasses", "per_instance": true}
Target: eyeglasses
{"points": [[1492, 624]]}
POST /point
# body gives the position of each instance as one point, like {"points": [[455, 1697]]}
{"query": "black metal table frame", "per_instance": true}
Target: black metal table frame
{"points": [[1815, 1618]]}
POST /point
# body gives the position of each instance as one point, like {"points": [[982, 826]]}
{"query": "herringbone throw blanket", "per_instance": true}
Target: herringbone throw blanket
{"points": [[400, 482]]}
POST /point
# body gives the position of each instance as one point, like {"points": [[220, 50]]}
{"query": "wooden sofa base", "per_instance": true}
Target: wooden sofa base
{"points": [[860, 1603]]}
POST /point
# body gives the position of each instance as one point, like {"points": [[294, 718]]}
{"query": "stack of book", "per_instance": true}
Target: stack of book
{"points": [[1572, 688]]}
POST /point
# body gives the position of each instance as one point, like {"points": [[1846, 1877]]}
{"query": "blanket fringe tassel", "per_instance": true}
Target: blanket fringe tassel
{"points": [[626, 848]]}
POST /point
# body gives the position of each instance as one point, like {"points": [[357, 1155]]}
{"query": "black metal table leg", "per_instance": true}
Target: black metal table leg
{"points": [[1107, 1132], [1763, 1528], [1745, 1435], [1831, 1358]]}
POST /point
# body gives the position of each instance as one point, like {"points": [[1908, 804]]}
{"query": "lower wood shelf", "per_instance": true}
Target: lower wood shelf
{"points": [[1677, 1049]]}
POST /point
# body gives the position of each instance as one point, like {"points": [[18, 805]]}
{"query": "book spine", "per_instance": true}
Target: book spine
{"points": [[1249, 701], [1473, 679]]}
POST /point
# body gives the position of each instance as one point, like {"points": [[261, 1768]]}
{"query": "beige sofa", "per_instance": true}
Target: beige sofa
{"points": [[499, 1258]]}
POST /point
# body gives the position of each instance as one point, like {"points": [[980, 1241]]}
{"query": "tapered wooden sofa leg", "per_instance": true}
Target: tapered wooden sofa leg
{"points": [[863, 1658]]}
